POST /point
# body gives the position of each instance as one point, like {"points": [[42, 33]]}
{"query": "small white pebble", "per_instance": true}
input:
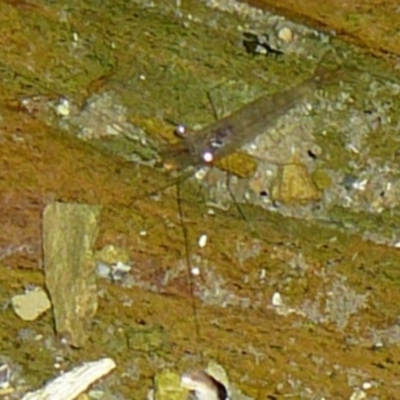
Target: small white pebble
{"points": [[200, 174], [366, 385], [142, 77], [202, 240], [195, 271], [285, 34], [269, 172], [358, 395], [96, 394], [5, 373], [360, 185], [63, 108], [263, 273], [103, 270], [30, 305], [59, 360], [277, 300], [253, 146], [121, 267]]}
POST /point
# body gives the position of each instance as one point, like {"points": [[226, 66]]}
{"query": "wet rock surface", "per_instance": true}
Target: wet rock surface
{"points": [[292, 300], [351, 21]]}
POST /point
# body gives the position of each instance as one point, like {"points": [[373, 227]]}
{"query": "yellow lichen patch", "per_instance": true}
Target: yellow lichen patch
{"points": [[239, 164], [294, 184]]}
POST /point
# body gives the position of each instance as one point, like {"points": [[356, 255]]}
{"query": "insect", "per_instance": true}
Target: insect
{"points": [[225, 136], [214, 142]]}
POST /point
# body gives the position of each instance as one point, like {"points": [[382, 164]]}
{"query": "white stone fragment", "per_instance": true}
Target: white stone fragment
{"points": [[5, 374], [263, 274], [71, 384], [31, 305], [63, 108], [200, 174], [360, 185], [358, 395], [202, 241], [121, 267], [366, 385], [103, 270], [277, 300], [195, 271], [285, 34]]}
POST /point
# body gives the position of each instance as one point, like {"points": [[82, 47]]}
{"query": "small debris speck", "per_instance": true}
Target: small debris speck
{"points": [[202, 241]]}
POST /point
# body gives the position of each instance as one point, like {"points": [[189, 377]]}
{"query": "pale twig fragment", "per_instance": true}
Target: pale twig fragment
{"points": [[71, 384]]}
